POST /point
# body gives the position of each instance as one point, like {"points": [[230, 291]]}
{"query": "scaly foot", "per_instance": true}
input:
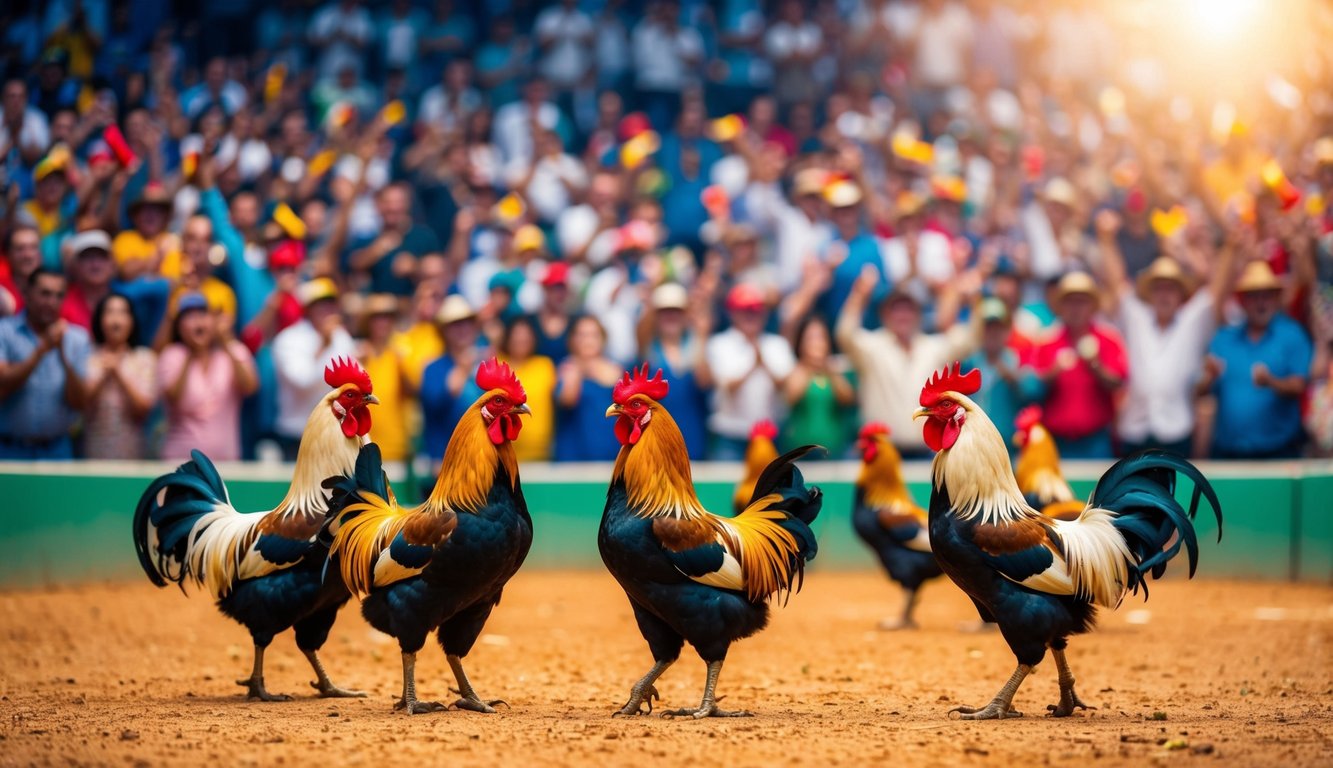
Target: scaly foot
{"points": [[1069, 701], [992, 711], [327, 690], [255, 690], [416, 707], [708, 710], [474, 703], [637, 700]]}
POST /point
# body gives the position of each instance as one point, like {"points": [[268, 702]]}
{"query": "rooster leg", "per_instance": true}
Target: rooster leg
{"points": [[643, 692], [324, 685], [470, 701], [906, 621], [708, 708], [1001, 706], [255, 683], [409, 701], [1068, 699]]}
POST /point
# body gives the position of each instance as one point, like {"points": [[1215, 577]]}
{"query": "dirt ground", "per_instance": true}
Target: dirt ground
{"points": [[1228, 673]]}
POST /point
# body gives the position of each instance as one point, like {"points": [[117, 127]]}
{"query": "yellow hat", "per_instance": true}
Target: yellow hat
{"points": [[809, 181], [529, 238], [1256, 277], [908, 203], [1076, 283], [315, 290], [842, 194], [1164, 268]]}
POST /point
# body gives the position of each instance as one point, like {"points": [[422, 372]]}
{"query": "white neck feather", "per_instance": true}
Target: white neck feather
{"points": [[325, 452], [977, 472]]}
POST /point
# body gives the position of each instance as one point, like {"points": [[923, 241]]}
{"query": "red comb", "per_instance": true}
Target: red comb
{"points": [[948, 380], [493, 374], [636, 382], [1028, 418], [764, 428], [345, 370], [874, 428]]}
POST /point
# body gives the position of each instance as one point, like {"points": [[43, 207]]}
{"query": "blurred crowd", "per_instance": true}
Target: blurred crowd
{"points": [[797, 208]]}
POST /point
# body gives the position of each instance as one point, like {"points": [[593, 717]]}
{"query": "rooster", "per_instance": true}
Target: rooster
{"points": [[1038, 468], [442, 565], [758, 455], [689, 574], [263, 568], [1041, 579], [889, 521]]}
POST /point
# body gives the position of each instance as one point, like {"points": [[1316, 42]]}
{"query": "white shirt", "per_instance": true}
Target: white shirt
{"points": [[616, 304], [785, 40], [577, 227], [662, 57], [934, 257], [34, 133], [300, 363], [445, 111], [1163, 365], [353, 30], [512, 132], [547, 191], [731, 356], [796, 239], [943, 40], [571, 33]]}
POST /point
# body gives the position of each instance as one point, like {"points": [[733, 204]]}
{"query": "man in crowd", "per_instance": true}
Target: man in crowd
{"points": [[23, 252], [300, 354], [749, 367]]}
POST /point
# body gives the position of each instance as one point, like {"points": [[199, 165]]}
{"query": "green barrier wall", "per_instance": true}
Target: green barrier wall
{"points": [[69, 525]]}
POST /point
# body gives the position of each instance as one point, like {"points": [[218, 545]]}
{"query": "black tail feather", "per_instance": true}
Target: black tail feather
{"points": [[193, 490]]}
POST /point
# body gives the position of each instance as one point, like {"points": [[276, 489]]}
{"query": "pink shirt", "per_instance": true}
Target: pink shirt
{"points": [[207, 415], [1076, 403]]}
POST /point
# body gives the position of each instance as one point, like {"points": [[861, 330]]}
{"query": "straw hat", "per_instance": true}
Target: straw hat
{"points": [[1256, 277], [1164, 268], [1059, 190], [453, 309], [1076, 283], [842, 194], [670, 296], [809, 181]]}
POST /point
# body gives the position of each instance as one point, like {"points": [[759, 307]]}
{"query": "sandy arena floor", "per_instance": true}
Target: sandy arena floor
{"points": [[1228, 673]]}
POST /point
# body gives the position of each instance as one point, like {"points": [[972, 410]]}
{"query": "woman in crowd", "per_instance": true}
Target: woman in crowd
{"points": [[587, 377], [818, 391], [673, 338], [518, 347], [204, 373], [122, 384], [382, 361]]}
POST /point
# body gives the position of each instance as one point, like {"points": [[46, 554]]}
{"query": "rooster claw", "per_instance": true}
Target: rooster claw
{"points": [[1066, 706], [328, 690], [637, 700], [992, 711], [415, 707], [473, 704], [256, 690], [707, 710]]}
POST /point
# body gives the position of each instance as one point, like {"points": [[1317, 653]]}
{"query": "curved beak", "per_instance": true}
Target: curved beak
{"points": [[614, 410], [521, 408], [370, 400], [920, 413]]}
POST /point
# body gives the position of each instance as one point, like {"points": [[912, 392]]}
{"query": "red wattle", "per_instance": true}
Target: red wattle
{"points": [[496, 431], [628, 430], [871, 451], [512, 426], [362, 415], [349, 425]]}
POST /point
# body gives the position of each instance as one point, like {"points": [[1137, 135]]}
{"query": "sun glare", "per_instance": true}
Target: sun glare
{"points": [[1220, 20]]}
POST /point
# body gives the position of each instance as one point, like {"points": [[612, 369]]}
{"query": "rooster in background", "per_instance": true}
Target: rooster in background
{"points": [[889, 521], [1038, 468], [1042, 579], [689, 574], [758, 455], [263, 568], [443, 564]]}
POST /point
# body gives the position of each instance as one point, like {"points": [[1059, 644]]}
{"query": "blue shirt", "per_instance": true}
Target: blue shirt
{"points": [[440, 410], [37, 411], [998, 398], [862, 249], [686, 401], [583, 433], [1253, 419]]}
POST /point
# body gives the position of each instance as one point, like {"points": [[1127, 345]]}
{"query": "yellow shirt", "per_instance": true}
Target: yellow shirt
{"points": [[132, 246], [46, 223], [219, 295], [539, 379], [416, 347], [388, 420]]}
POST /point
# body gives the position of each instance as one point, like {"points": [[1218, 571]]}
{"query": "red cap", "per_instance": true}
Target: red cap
{"points": [[745, 296], [288, 253], [1136, 201], [632, 125], [557, 273]]}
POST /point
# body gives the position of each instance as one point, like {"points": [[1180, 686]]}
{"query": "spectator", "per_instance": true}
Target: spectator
{"points": [[794, 44], [851, 249], [22, 128], [23, 256], [146, 248], [391, 258], [1051, 230], [447, 386], [43, 368], [204, 374], [674, 336], [553, 316], [1082, 367], [378, 354], [398, 34], [518, 348], [819, 392], [1006, 385], [91, 274], [666, 55], [1258, 369], [502, 62], [122, 384], [301, 352], [51, 209], [564, 36], [340, 32], [445, 106], [749, 368], [891, 362], [517, 123], [215, 90], [587, 377], [450, 35], [549, 178]]}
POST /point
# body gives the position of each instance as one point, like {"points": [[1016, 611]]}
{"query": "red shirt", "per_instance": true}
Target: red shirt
{"points": [[76, 309], [1076, 403]]}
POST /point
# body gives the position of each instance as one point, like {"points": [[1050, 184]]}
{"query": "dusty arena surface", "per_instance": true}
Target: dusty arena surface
{"points": [[1207, 672]]}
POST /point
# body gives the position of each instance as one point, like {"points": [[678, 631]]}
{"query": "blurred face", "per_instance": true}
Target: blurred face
{"points": [[197, 329], [380, 327], [62, 125], [117, 320], [15, 100], [1076, 310], [322, 313], [315, 213], [556, 296], [847, 219], [586, 340], [1165, 296], [750, 322], [51, 189], [196, 239], [994, 336], [1007, 289], [244, 211], [95, 267], [815, 344], [1260, 307], [43, 300], [460, 334], [901, 317], [294, 129], [150, 220], [393, 208], [215, 73], [25, 252], [522, 342]]}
